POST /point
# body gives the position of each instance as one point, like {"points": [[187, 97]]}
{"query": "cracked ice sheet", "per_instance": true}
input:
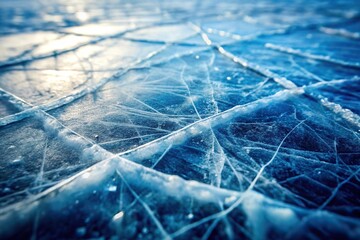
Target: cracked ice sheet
{"points": [[47, 159], [17, 44], [155, 90], [46, 48], [133, 201], [140, 106], [306, 71], [49, 79], [210, 152]]}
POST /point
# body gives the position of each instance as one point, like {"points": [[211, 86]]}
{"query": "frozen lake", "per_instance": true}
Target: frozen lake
{"points": [[179, 119]]}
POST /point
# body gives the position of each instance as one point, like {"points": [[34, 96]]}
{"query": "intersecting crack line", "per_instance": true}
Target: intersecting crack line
{"points": [[20, 100], [219, 117], [111, 157], [162, 156], [46, 115], [93, 41], [240, 200], [157, 140], [78, 94], [278, 184], [298, 153], [29, 50], [215, 223], [39, 178], [188, 91], [334, 192], [223, 158], [308, 73], [146, 206], [244, 63], [346, 114], [248, 107]]}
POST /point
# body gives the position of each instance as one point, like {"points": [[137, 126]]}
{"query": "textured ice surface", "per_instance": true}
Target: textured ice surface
{"points": [[179, 119]]}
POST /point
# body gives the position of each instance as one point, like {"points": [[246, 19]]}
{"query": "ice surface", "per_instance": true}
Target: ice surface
{"points": [[179, 119]]}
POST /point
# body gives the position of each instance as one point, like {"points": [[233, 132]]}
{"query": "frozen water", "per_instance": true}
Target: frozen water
{"points": [[179, 119]]}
